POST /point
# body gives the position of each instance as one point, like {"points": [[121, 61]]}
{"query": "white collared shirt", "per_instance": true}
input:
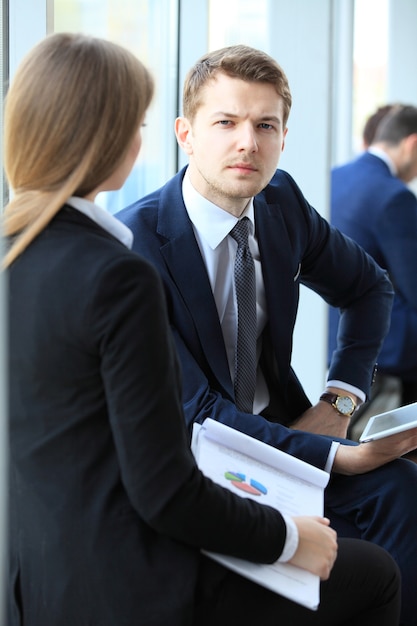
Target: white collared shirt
{"points": [[381, 154], [212, 226]]}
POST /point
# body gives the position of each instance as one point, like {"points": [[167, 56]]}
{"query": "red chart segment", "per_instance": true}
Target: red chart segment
{"points": [[252, 486]]}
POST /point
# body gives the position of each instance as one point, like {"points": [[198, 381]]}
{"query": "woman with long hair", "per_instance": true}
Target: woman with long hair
{"points": [[108, 510]]}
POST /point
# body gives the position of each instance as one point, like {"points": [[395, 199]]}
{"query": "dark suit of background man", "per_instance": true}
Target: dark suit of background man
{"points": [[236, 105], [372, 204]]}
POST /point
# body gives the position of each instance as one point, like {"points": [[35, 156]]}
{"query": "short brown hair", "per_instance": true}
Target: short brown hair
{"points": [[373, 122], [238, 61], [399, 123]]}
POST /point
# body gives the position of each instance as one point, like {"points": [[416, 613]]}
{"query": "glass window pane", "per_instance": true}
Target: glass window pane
{"points": [[138, 26], [238, 21], [370, 55]]}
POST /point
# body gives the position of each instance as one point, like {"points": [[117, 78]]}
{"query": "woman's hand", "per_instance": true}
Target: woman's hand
{"points": [[317, 546]]}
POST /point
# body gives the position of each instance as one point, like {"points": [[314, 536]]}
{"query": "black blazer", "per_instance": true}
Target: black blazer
{"points": [[297, 247], [107, 507]]}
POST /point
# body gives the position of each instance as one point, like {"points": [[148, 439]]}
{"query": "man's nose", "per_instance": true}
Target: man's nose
{"points": [[247, 138]]}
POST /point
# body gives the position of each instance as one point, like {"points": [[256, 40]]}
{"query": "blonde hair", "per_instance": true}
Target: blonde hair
{"points": [[239, 61], [70, 116]]}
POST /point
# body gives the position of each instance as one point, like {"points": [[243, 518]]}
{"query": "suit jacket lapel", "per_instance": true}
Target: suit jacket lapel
{"points": [[189, 274], [281, 278]]}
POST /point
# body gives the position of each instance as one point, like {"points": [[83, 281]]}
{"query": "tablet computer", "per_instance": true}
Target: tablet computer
{"points": [[391, 422]]}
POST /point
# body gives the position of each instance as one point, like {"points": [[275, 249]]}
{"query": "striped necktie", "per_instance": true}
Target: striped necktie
{"points": [[245, 354]]}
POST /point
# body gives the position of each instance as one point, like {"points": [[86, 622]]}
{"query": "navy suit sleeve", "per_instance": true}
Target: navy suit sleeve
{"points": [[350, 280], [201, 400], [346, 277]]}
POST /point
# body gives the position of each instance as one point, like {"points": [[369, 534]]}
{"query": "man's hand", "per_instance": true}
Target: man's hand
{"points": [[368, 456], [323, 419], [317, 546]]}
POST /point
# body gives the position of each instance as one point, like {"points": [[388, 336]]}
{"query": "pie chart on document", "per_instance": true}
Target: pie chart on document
{"points": [[248, 485]]}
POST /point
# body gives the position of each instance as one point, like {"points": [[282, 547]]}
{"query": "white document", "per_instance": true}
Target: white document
{"points": [[253, 469]]}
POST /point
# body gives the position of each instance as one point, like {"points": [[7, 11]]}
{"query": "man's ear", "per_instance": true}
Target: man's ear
{"points": [[283, 140], [413, 140], [184, 134], [410, 143]]}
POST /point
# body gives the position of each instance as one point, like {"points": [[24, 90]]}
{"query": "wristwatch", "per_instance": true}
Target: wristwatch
{"points": [[343, 404]]}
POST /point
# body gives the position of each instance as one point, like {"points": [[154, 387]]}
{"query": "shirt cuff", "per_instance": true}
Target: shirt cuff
{"points": [[330, 458], [291, 541], [341, 385]]}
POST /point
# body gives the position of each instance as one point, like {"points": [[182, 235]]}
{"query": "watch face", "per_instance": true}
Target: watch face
{"points": [[345, 405]]}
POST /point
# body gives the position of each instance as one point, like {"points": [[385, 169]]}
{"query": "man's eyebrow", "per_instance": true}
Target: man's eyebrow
{"points": [[264, 118], [223, 114], [270, 118]]}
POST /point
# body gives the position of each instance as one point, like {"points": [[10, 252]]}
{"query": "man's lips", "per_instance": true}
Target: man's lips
{"points": [[243, 166]]}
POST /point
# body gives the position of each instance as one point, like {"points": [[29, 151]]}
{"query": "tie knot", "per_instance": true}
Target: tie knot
{"points": [[240, 232]]}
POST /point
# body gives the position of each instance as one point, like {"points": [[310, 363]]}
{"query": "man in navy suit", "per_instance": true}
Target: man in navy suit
{"points": [[372, 204], [236, 105]]}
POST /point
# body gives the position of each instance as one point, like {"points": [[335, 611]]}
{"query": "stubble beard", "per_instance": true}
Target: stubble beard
{"points": [[239, 190]]}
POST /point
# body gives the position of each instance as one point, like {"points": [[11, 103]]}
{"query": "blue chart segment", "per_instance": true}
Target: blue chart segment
{"points": [[252, 486]]}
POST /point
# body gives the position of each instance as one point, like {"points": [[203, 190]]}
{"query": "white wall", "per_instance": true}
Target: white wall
{"points": [[301, 41], [402, 51], [29, 22]]}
